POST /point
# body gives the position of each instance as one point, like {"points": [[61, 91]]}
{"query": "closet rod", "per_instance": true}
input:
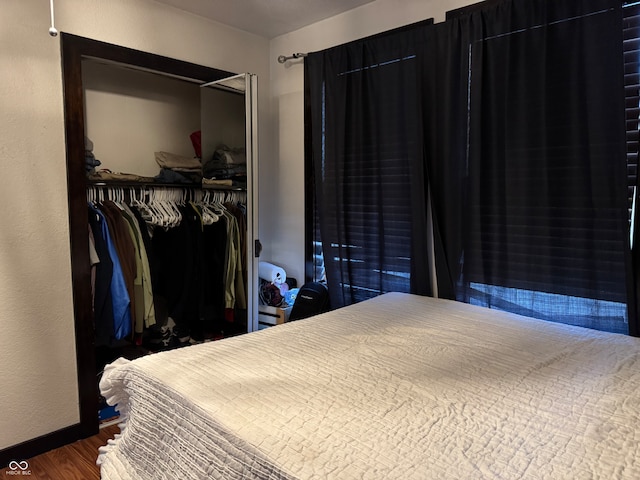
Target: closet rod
{"points": [[193, 192], [133, 184]]}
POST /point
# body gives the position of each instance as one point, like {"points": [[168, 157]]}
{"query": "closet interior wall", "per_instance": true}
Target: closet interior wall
{"points": [[130, 104]]}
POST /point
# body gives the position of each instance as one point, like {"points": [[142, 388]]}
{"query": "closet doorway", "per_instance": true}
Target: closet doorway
{"points": [[208, 91]]}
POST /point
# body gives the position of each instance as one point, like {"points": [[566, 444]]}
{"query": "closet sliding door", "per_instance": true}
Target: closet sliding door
{"points": [[229, 114]]}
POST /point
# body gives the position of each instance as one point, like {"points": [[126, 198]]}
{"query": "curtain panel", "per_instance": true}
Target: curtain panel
{"points": [[631, 39], [546, 230], [366, 151]]}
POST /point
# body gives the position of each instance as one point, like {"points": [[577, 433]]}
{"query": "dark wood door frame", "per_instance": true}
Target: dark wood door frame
{"points": [[75, 49]]}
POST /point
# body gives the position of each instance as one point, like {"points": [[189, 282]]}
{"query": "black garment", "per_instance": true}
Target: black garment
{"points": [[214, 261], [193, 296], [168, 175], [177, 254]]}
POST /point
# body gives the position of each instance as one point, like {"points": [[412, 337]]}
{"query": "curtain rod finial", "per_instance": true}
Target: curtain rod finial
{"points": [[295, 56]]}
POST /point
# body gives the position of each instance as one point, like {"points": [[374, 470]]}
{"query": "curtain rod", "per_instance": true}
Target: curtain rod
{"points": [[282, 58]]}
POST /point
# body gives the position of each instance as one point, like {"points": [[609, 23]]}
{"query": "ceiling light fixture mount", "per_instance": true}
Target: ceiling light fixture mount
{"points": [[52, 30]]}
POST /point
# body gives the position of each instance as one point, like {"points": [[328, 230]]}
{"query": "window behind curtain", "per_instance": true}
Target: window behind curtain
{"points": [[366, 210], [547, 226], [631, 36], [388, 181], [362, 127]]}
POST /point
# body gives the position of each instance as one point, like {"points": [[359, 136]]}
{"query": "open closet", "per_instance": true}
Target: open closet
{"points": [[163, 151]]}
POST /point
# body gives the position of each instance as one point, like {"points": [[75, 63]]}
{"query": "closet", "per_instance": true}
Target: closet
{"points": [[136, 113]]}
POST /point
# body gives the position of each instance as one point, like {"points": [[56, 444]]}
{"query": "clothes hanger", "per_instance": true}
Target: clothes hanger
{"points": [[138, 201], [211, 216], [153, 209], [172, 199], [174, 202], [165, 209]]}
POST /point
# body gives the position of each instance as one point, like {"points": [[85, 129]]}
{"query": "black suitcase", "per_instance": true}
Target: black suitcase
{"points": [[313, 298]]}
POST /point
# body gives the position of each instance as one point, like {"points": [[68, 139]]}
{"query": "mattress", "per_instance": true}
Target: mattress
{"points": [[396, 387]]}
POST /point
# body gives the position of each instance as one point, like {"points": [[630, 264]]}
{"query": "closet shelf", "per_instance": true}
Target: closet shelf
{"points": [[118, 183]]}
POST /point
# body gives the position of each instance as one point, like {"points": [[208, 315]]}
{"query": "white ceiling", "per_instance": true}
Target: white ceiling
{"points": [[267, 18]]}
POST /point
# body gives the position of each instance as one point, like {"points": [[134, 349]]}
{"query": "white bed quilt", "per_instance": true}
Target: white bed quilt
{"points": [[397, 387]]}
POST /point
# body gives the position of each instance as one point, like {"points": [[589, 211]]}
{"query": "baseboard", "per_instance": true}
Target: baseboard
{"points": [[36, 446]]}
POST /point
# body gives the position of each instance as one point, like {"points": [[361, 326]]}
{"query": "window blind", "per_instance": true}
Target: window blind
{"points": [[631, 50], [367, 216]]}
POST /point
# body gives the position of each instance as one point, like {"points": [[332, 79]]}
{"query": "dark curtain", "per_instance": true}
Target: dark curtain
{"points": [[631, 37], [512, 113], [631, 48], [363, 124], [545, 231], [444, 76]]}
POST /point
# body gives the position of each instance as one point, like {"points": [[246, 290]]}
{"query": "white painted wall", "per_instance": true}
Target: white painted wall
{"points": [[130, 114], [38, 385], [285, 226]]}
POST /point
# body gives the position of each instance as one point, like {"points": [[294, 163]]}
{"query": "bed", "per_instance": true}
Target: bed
{"points": [[396, 387]]}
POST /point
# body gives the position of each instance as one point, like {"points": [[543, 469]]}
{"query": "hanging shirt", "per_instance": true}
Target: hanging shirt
{"points": [[214, 265], [94, 260], [121, 240], [138, 291], [231, 258], [177, 257], [241, 257], [147, 307], [119, 294], [102, 302]]}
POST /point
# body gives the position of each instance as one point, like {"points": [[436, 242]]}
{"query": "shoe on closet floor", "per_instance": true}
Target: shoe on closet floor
{"points": [[182, 333], [159, 337]]}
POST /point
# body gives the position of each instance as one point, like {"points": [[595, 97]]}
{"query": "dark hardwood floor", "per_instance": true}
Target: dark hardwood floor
{"points": [[76, 461]]}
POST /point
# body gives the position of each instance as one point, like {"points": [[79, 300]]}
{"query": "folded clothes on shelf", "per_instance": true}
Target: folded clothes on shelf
{"points": [[178, 163]]}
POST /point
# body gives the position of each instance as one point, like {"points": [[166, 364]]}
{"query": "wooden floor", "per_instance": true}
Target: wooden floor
{"points": [[76, 461]]}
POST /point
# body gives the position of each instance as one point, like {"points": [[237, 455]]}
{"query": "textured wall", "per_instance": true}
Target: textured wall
{"points": [[38, 390], [38, 387]]}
